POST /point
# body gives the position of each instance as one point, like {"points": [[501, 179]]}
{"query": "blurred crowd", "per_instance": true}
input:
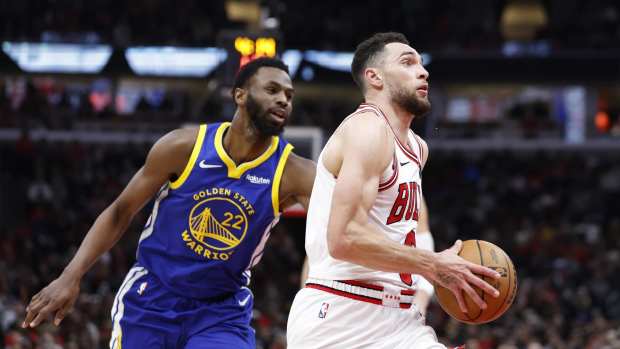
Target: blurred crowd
{"points": [[66, 104], [46, 103], [438, 25], [554, 213], [556, 216]]}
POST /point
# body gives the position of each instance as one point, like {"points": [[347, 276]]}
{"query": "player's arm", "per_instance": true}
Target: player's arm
{"points": [[166, 159], [350, 236], [365, 149], [297, 181]]}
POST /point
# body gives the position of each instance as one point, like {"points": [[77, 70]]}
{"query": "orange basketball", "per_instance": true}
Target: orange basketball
{"points": [[483, 253]]}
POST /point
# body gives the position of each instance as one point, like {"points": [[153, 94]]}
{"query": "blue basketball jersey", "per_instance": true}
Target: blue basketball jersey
{"points": [[210, 226]]}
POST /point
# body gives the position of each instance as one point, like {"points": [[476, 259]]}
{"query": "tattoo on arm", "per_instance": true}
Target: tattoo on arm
{"points": [[446, 279]]}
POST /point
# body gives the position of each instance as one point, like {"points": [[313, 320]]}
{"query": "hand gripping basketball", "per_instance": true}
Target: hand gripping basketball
{"points": [[476, 306]]}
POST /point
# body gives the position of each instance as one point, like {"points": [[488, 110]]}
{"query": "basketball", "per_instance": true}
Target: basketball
{"points": [[487, 254]]}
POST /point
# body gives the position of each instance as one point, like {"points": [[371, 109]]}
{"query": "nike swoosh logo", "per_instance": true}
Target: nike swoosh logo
{"points": [[245, 301], [404, 163], [202, 164]]}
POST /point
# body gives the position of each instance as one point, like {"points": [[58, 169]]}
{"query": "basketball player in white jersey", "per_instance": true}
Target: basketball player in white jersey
{"points": [[363, 213]]}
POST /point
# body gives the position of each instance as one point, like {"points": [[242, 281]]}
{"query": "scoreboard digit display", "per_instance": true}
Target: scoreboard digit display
{"points": [[243, 47]]}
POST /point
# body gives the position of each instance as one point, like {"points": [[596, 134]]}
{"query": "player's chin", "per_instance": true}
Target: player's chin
{"points": [[423, 107], [422, 97], [427, 103], [278, 122], [275, 127]]}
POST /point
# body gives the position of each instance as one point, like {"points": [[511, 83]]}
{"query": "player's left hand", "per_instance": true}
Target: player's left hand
{"points": [[57, 298]]}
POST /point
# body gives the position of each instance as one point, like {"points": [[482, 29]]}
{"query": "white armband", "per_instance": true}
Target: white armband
{"points": [[425, 285], [425, 241]]}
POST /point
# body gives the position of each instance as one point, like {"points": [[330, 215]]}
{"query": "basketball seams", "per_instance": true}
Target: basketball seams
{"points": [[513, 278], [472, 319], [508, 263], [481, 291]]}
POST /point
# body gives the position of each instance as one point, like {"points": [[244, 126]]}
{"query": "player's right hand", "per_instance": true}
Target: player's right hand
{"points": [[57, 299], [458, 275]]}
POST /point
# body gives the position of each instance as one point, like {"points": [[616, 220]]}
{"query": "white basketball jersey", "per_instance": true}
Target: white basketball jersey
{"points": [[394, 212]]}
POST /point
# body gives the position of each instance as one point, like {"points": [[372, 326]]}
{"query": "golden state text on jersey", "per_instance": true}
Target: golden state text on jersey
{"points": [[210, 226]]}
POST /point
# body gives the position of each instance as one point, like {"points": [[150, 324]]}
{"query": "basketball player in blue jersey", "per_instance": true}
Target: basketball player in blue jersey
{"points": [[219, 190]]}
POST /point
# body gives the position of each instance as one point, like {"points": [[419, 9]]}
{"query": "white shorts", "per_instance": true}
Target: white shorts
{"points": [[319, 319]]}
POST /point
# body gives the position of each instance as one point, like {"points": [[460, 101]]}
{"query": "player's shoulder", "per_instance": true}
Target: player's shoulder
{"points": [[298, 175], [179, 141], [366, 138], [299, 161], [182, 137], [299, 166], [365, 126], [369, 117]]}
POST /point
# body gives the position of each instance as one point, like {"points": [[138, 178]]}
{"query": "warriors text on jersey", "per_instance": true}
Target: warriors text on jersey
{"points": [[209, 227], [394, 212]]}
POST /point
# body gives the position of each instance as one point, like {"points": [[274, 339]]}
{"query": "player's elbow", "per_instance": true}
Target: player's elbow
{"points": [[337, 248], [339, 245]]}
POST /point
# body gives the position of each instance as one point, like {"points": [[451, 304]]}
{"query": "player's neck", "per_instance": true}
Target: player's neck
{"points": [[243, 142], [399, 118]]}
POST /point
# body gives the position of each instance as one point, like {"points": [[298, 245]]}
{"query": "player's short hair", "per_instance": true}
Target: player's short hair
{"points": [[368, 50], [249, 70]]}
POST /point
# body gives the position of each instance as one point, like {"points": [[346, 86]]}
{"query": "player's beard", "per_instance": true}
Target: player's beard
{"points": [[261, 118], [410, 101]]}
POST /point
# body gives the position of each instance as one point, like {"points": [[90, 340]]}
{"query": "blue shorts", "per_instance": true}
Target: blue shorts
{"points": [[147, 315]]}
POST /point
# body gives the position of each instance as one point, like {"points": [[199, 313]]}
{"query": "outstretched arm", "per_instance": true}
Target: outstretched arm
{"points": [[166, 160]]}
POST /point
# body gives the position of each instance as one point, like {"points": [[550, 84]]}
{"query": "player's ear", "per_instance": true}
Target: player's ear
{"points": [[373, 77], [240, 95]]}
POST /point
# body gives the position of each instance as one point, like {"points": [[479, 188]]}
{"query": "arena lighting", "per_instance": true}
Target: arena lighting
{"points": [[171, 61], [243, 47], [58, 58], [292, 58], [341, 61], [250, 49], [602, 121], [174, 61]]}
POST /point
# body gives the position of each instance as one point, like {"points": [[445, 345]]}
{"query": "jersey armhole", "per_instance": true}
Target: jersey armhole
{"points": [[275, 188], [418, 140], [192, 159]]}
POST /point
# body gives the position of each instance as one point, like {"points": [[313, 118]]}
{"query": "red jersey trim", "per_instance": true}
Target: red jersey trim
{"points": [[363, 284], [405, 151], [390, 182], [359, 110], [345, 294], [417, 139], [355, 296]]}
